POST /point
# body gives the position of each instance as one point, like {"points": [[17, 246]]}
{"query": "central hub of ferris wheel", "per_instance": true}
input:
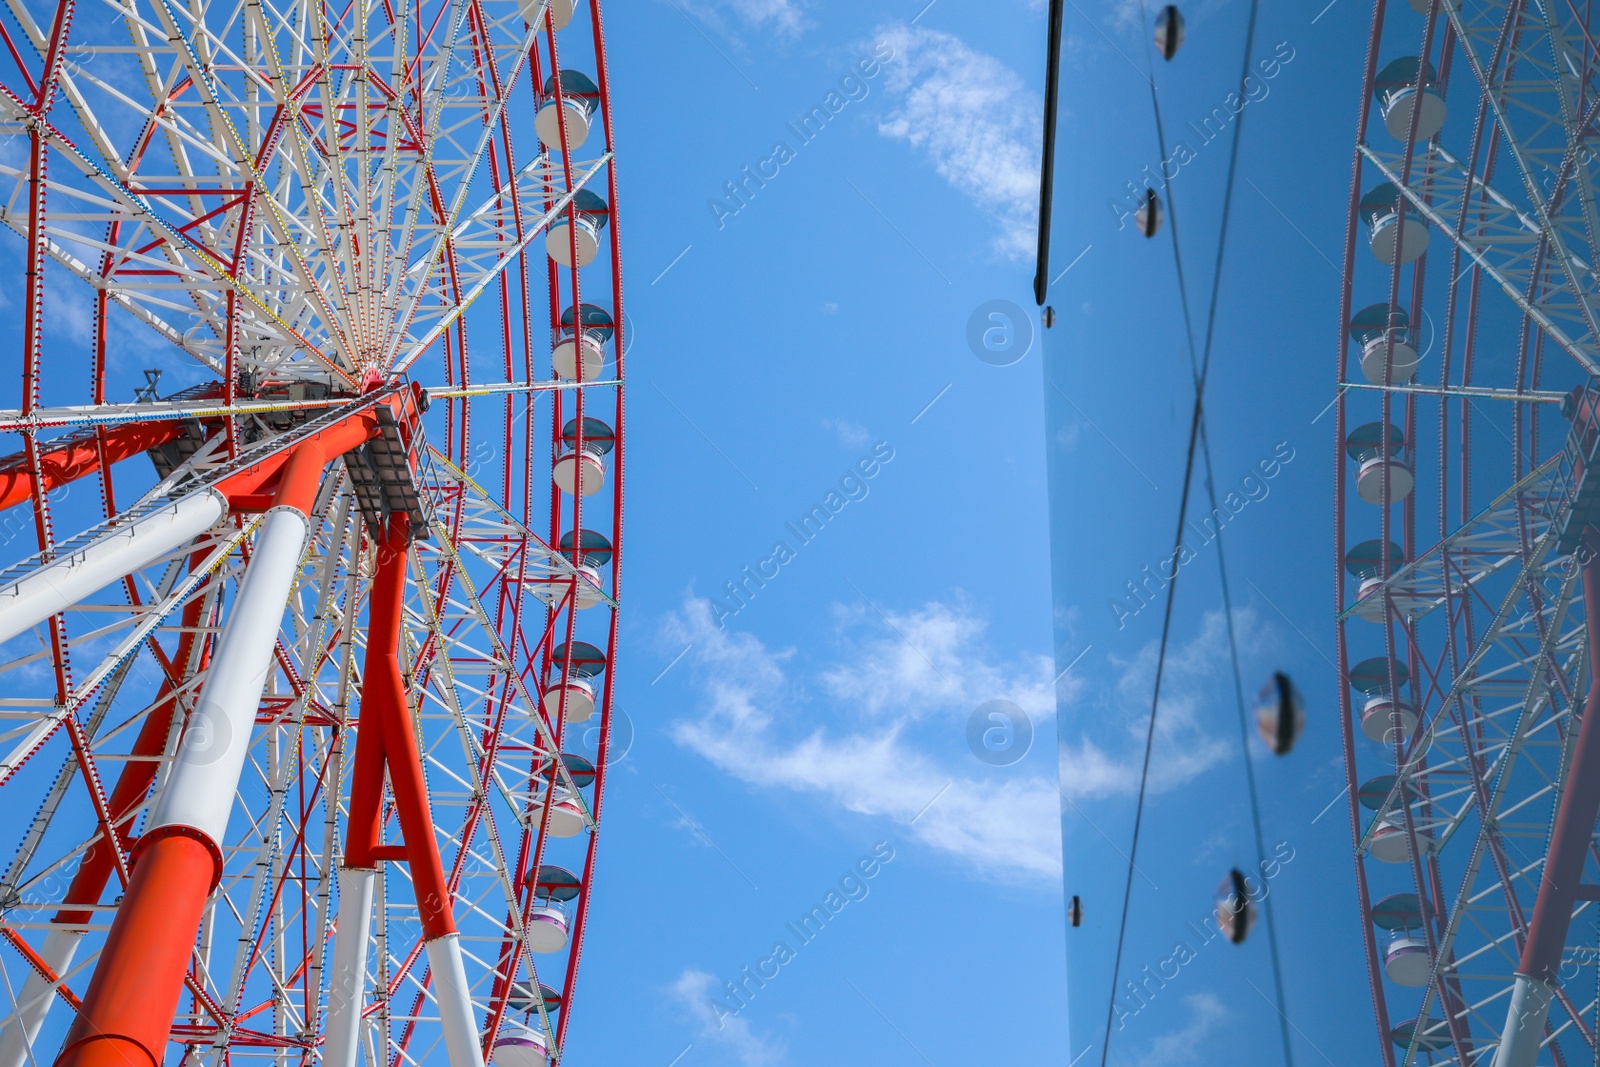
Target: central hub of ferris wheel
{"points": [[290, 727]]}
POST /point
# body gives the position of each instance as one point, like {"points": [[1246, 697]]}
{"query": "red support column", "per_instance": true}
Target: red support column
{"points": [[128, 1010], [1580, 803], [388, 737]]}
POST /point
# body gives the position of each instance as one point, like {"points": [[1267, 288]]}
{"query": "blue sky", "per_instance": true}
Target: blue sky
{"points": [[803, 349], [778, 345]]}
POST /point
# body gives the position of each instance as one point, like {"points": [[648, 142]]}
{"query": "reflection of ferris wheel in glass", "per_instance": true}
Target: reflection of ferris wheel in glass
{"points": [[288, 735], [1468, 530]]}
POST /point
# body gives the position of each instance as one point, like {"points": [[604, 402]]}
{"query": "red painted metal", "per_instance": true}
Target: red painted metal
{"points": [[75, 455], [138, 774], [128, 1010], [134, 994], [1579, 807], [387, 738], [386, 716]]}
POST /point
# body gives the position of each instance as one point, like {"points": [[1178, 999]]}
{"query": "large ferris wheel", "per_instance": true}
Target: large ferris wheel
{"points": [[294, 719], [1468, 535]]}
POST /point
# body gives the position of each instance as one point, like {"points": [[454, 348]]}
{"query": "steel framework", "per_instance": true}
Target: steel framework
{"points": [[297, 715], [1482, 826]]}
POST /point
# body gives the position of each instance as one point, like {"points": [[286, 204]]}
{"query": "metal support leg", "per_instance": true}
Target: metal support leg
{"points": [[1563, 865], [388, 739], [131, 1001]]}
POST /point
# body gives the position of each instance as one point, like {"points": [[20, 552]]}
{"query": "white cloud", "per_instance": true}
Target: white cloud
{"points": [[1197, 678], [695, 991], [758, 727], [1184, 1045], [975, 120], [850, 434], [784, 17], [931, 667]]}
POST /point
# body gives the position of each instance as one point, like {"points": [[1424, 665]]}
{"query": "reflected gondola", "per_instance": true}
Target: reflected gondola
{"points": [[1280, 714], [1235, 912], [1169, 31], [1148, 216]]}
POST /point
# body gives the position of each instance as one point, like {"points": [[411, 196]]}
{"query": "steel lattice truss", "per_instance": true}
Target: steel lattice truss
{"points": [[1484, 620], [318, 209]]}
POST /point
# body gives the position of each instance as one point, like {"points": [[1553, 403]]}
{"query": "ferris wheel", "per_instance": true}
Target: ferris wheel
{"points": [[1467, 426], [306, 692]]}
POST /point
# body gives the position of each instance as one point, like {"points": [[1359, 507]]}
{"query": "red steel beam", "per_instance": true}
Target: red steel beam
{"points": [[131, 1001], [69, 458], [388, 738], [1580, 804]]}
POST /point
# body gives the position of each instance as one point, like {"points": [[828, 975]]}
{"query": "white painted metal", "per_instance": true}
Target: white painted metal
{"points": [[58, 585], [206, 768], [37, 995], [456, 1015], [347, 984], [1525, 1019]]}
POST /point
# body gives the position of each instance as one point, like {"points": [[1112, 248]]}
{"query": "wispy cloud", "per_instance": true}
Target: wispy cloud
{"points": [[1186, 1044], [974, 119], [695, 992], [1188, 741], [933, 663], [786, 18]]}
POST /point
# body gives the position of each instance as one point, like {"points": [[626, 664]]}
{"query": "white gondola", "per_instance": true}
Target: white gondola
{"points": [[589, 214], [1385, 716], [581, 470], [580, 99], [1396, 90], [582, 467], [547, 928], [1388, 351], [1389, 842], [561, 12], [589, 339], [1406, 961], [547, 921], [575, 690], [1366, 563], [519, 1046], [566, 814], [1393, 241], [576, 694], [1383, 470], [553, 588]]}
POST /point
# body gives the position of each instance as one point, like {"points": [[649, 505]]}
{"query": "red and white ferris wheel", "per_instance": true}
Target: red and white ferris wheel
{"points": [[1467, 530], [290, 734]]}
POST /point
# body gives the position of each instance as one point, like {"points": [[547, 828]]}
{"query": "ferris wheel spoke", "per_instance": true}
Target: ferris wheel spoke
{"points": [[307, 201], [487, 242], [1492, 541], [1506, 243]]}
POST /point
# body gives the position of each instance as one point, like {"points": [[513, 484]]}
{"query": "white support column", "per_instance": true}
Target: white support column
{"points": [[1525, 1019], [456, 1015], [37, 995], [347, 985], [60, 584], [206, 768]]}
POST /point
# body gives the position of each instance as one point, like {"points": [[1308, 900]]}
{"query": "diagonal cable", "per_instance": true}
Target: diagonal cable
{"points": [[1200, 368]]}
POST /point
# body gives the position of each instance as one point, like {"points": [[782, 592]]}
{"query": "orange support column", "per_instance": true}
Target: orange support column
{"points": [[128, 1010]]}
